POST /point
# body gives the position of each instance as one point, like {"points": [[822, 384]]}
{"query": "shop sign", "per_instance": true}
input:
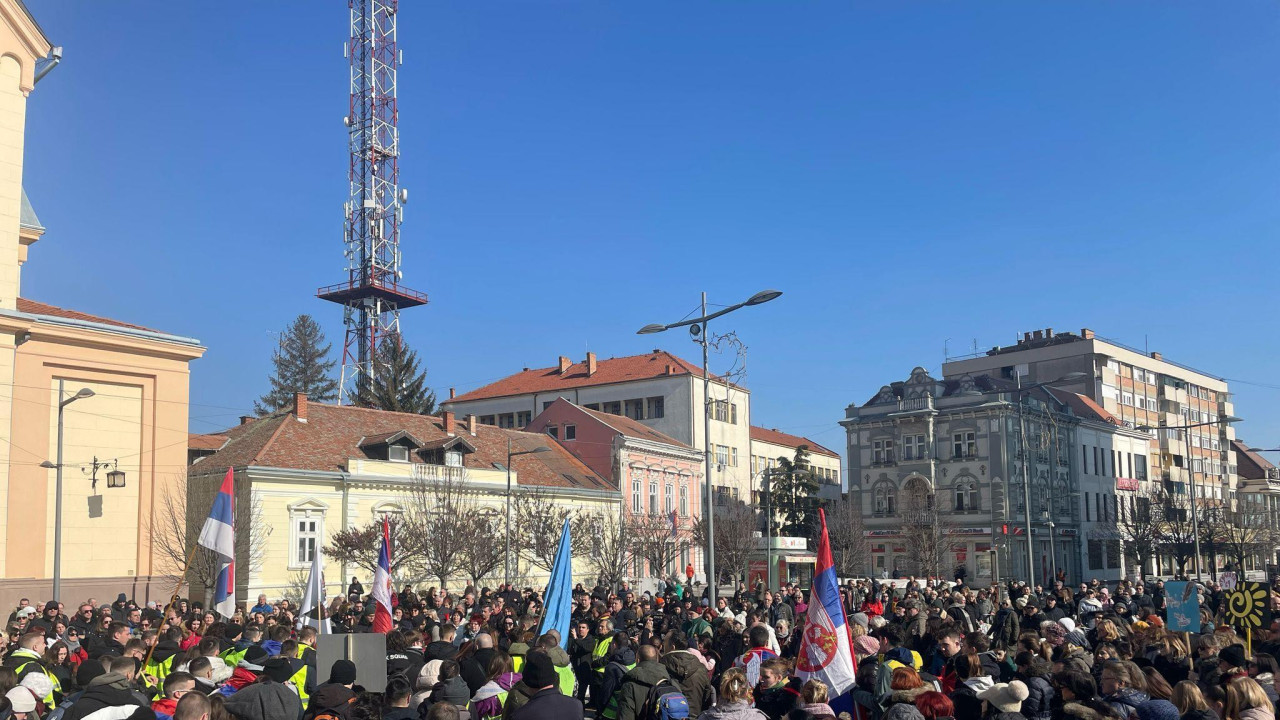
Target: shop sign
{"points": [[969, 531], [1126, 484]]}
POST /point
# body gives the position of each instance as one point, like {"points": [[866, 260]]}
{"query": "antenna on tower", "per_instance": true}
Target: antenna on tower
{"points": [[372, 296]]}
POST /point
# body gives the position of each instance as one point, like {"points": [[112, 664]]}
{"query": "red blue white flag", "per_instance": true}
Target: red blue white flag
{"points": [[826, 652], [382, 583], [219, 535]]}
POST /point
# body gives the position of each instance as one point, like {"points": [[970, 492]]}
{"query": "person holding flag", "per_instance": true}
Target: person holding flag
{"points": [[219, 535], [381, 592], [826, 652]]}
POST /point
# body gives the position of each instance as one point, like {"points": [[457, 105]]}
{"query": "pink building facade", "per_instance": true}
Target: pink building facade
{"points": [[658, 476]]}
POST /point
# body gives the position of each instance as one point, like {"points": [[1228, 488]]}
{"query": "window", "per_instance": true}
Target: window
{"points": [[397, 453], [634, 409], [1087, 517], [637, 494], [966, 496], [570, 432], [306, 523], [487, 420], [653, 497], [1126, 398], [1084, 458], [669, 498], [882, 451], [755, 464], [655, 407], [722, 455], [725, 411], [684, 500], [546, 404], [592, 406], [1095, 554], [553, 431], [613, 408], [1140, 466], [964, 444], [914, 448], [507, 420], [886, 499], [733, 457], [523, 417], [453, 458]]}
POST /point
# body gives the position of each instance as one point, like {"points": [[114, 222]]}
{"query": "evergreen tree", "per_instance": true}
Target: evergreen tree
{"points": [[302, 365], [397, 384], [792, 491]]}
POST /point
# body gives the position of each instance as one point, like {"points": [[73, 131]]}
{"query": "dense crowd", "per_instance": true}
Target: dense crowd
{"points": [[923, 650]]}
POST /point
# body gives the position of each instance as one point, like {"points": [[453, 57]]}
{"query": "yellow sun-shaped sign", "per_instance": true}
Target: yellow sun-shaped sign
{"points": [[1247, 605]]}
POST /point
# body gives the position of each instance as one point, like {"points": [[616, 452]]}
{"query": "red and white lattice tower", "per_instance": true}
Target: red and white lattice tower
{"points": [[372, 296]]}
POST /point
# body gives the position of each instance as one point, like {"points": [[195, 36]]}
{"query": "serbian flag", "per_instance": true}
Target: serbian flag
{"points": [[825, 650], [382, 583], [219, 535]]}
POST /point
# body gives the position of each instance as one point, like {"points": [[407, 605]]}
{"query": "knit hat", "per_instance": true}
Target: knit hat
{"points": [[1157, 710], [866, 645], [539, 671], [862, 619], [21, 700], [278, 669], [343, 672], [1006, 697], [1020, 602], [1054, 633], [27, 611], [232, 631], [428, 675], [253, 658], [1067, 624], [1233, 656]]}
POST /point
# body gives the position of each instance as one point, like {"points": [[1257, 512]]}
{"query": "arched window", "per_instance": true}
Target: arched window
{"points": [[886, 499], [961, 497], [966, 492], [974, 500]]}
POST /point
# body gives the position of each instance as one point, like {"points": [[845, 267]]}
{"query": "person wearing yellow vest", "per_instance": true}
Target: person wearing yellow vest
{"points": [[28, 658], [622, 660], [252, 636], [599, 659], [487, 702]]}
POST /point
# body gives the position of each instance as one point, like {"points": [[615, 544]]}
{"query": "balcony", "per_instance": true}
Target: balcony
{"points": [[426, 472], [914, 404]]}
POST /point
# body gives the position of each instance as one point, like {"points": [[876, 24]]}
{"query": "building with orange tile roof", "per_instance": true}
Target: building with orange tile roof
{"points": [[768, 445]]}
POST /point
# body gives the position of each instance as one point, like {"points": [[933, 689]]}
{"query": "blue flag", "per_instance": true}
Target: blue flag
{"points": [[557, 612]]}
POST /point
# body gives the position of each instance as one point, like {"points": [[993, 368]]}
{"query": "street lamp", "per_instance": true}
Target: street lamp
{"points": [[698, 329], [81, 394], [506, 567], [1195, 521], [1026, 475]]}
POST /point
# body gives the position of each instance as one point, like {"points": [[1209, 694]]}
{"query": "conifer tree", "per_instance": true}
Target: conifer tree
{"points": [[793, 495], [398, 384], [302, 365]]}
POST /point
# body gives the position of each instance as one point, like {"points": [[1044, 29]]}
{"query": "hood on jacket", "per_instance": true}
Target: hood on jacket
{"points": [[331, 696], [558, 656], [1076, 711], [113, 680], [623, 656], [978, 684], [909, 696], [454, 690], [733, 711], [649, 672], [500, 684], [1128, 696], [681, 664]]}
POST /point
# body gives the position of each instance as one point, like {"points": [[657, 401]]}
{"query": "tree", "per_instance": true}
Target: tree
{"points": [[359, 546], [653, 540], [793, 495], [1176, 528], [736, 525], [1246, 534], [175, 526], [845, 531], [609, 552], [1137, 531], [482, 536], [538, 519], [434, 521], [397, 383], [302, 365], [924, 531]]}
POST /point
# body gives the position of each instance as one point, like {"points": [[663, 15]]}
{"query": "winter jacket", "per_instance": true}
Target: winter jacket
{"points": [[691, 675], [452, 691], [1039, 702], [331, 698], [819, 711], [732, 711], [965, 698], [1078, 661], [549, 704], [1125, 701], [488, 700], [1205, 714], [1006, 716], [439, 650], [615, 673], [635, 688], [265, 700], [901, 704], [517, 697], [400, 714], [105, 691], [475, 669]]}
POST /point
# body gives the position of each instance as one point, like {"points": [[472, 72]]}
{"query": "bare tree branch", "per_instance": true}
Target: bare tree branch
{"points": [[538, 520], [609, 551], [652, 539], [736, 525], [845, 531]]}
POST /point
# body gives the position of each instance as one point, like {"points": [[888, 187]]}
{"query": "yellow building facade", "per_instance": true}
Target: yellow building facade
{"points": [[135, 421]]}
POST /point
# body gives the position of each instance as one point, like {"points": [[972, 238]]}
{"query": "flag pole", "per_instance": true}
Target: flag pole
{"points": [[173, 599]]}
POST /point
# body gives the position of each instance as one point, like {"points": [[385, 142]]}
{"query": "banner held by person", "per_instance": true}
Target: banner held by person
{"points": [[557, 612], [219, 535], [382, 583], [826, 652]]}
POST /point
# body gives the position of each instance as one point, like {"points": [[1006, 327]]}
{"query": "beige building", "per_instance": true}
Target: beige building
{"points": [[768, 445], [317, 469], [135, 421]]}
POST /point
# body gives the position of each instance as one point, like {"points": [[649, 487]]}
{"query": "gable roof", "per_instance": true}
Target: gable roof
{"points": [[33, 307], [333, 434], [656, 364], [1084, 406], [777, 437], [632, 428], [197, 441], [1249, 464]]}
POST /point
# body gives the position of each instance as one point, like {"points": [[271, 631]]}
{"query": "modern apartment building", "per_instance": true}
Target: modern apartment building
{"points": [[1142, 390], [658, 389], [770, 444]]}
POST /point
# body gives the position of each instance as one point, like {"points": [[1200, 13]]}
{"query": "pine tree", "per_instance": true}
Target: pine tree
{"points": [[302, 365], [398, 384], [792, 494]]}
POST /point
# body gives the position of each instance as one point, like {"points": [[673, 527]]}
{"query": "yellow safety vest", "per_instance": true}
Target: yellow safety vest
{"points": [[48, 700], [600, 650]]}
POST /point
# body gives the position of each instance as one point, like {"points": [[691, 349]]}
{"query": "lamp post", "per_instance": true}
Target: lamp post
{"points": [[57, 502], [1026, 475], [1191, 474], [506, 560], [698, 329], [1053, 556]]}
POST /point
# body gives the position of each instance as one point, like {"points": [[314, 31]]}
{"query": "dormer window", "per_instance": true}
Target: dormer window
{"points": [[397, 453], [397, 446], [453, 458]]}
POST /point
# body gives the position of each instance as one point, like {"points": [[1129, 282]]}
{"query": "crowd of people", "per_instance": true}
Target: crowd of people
{"points": [[924, 650]]}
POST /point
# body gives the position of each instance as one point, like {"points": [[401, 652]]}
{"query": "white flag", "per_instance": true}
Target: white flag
{"points": [[313, 598]]}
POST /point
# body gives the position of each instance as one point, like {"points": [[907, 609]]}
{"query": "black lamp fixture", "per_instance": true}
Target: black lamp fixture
{"points": [[115, 478]]}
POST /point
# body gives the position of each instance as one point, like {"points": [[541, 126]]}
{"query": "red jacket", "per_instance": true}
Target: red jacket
{"points": [[872, 608]]}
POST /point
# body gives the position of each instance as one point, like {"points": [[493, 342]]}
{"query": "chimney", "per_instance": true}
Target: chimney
{"points": [[1086, 333], [1038, 335], [564, 364], [1156, 356], [246, 419], [450, 425], [300, 406], [1026, 337], [591, 364], [669, 369], [471, 424], [1048, 332], [452, 393]]}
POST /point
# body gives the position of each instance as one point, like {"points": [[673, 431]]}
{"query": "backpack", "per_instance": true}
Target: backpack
{"points": [[664, 702]]}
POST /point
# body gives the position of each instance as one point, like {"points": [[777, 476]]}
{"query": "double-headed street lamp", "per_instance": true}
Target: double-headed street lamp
{"points": [[57, 502], [1195, 521], [506, 567], [698, 329]]}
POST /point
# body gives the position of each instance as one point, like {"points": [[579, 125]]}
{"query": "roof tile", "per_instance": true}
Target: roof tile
{"points": [[658, 363], [777, 437]]}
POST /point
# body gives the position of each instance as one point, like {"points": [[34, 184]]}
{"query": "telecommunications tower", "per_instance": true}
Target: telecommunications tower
{"points": [[371, 296]]}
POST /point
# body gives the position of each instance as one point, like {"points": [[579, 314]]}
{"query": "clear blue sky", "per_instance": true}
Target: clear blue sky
{"points": [[907, 172]]}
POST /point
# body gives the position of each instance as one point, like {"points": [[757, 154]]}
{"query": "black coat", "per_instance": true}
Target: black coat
{"points": [[1039, 702], [549, 704], [475, 669]]}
